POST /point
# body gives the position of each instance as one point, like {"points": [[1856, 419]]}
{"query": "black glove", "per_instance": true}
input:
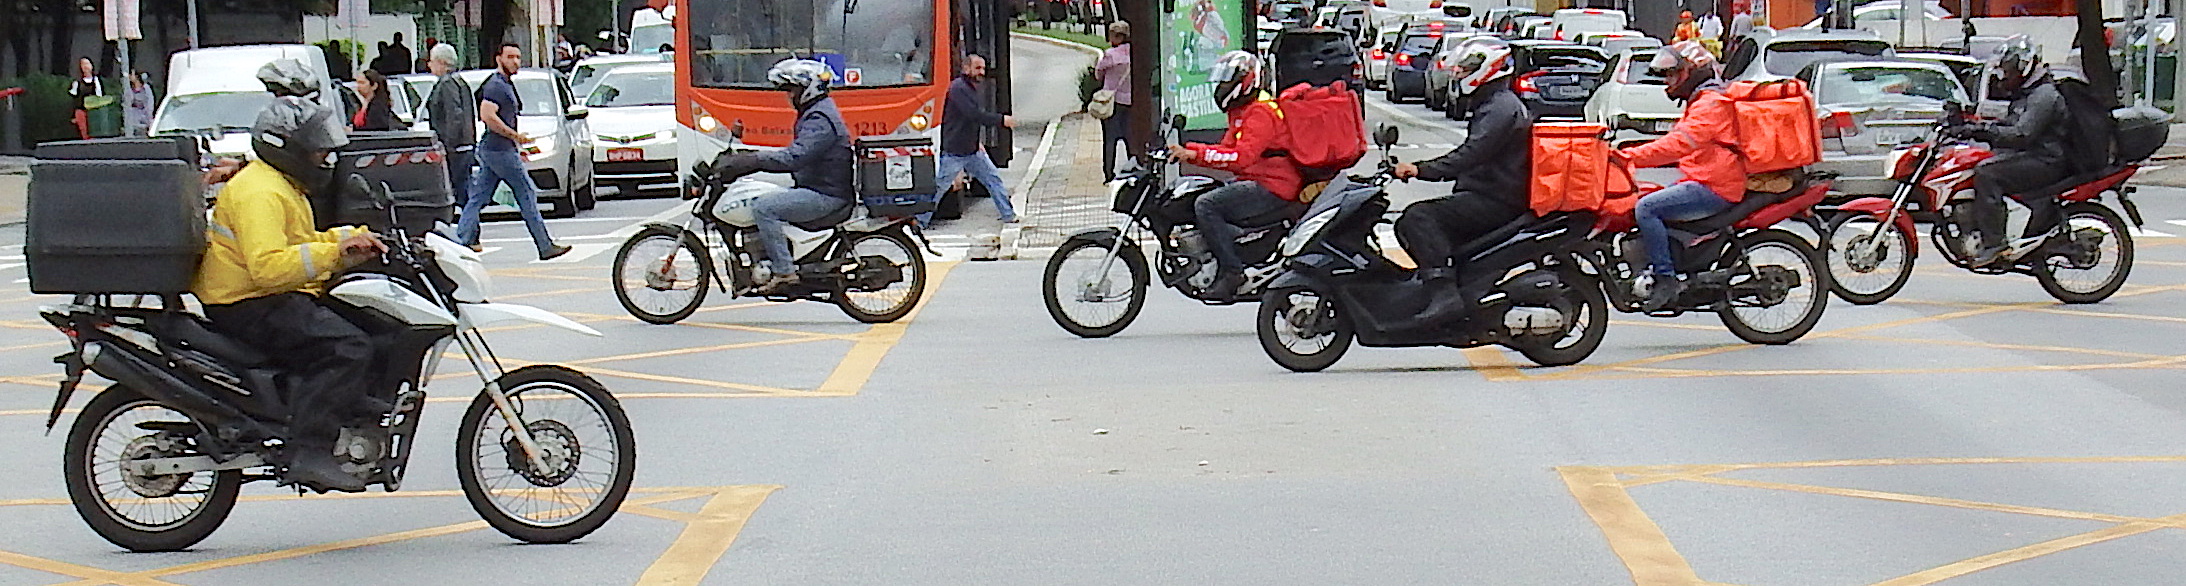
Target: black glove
{"points": [[732, 166]]}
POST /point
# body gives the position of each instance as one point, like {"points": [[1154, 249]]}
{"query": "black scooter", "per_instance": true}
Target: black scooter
{"points": [[1528, 291]]}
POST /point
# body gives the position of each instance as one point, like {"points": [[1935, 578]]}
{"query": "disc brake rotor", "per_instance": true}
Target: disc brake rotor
{"points": [[558, 446]]}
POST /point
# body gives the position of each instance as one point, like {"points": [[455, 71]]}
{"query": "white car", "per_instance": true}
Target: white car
{"points": [[1378, 57], [1569, 23], [559, 160], [634, 121], [421, 86], [587, 72], [216, 93], [1866, 15], [1631, 99], [1618, 42]]}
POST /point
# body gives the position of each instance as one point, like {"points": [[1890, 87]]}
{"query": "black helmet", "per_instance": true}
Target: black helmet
{"points": [[1236, 76], [298, 137], [2016, 66], [288, 77]]}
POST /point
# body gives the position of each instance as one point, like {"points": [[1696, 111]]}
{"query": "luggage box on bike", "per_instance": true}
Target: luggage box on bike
{"points": [[1571, 170], [415, 171], [115, 216], [896, 175]]}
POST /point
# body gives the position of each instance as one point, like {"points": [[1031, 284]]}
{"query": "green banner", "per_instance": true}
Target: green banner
{"points": [[1198, 32]]}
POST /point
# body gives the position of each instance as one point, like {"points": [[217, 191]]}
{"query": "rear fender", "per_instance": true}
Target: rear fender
{"points": [[1879, 208]]}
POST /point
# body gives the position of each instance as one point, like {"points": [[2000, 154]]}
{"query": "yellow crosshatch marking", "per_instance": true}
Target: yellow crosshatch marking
{"points": [[706, 535], [1604, 493]]}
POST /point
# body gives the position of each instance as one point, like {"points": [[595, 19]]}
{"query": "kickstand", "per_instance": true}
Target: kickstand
{"points": [[920, 234]]}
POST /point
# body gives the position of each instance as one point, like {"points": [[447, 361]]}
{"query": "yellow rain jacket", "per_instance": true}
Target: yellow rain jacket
{"points": [[262, 241]]}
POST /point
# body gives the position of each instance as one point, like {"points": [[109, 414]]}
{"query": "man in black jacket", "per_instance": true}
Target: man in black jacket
{"points": [[2033, 144], [1489, 171], [963, 116], [451, 110]]}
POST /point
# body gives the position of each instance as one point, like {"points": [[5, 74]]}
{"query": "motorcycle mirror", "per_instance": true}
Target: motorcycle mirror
{"points": [[736, 130], [1385, 136]]}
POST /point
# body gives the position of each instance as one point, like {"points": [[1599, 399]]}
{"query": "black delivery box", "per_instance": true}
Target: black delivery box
{"points": [[413, 167], [896, 175], [115, 216]]}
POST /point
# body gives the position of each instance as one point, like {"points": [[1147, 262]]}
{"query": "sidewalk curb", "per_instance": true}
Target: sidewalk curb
{"points": [[1007, 247], [1096, 51]]}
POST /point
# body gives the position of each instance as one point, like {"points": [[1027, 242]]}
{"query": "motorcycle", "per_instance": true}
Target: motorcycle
{"points": [[1762, 281], [1528, 290], [860, 258], [2085, 258], [1096, 302], [156, 461]]}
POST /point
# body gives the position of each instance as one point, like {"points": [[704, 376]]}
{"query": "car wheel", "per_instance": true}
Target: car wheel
{"points": [[586, 199]]}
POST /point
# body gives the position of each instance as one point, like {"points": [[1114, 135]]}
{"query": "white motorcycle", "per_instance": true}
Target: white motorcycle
{"points": [[861, 258], [155, 462]]}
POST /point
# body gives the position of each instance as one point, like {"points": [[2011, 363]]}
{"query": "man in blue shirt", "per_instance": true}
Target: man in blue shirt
{"points": [[818, 160], [964, 115], [501, 161]]}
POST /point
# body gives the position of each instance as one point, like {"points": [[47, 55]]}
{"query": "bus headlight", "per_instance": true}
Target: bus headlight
{"points": [[919, 123], [707, 124]]}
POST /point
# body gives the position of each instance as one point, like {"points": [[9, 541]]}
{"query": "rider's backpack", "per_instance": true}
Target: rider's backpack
{"points": [[2089, 131], [1571, 170], [1778, 128], [1324, 128]]}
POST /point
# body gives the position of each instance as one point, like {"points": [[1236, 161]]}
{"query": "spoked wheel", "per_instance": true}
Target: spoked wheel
{"points": [[661, 274], [586, 456], [1868, 262], [1088, 301], [1586, 313], [138, 511], [888, 280], [1302, 330], [2090, 262], [1781, 294]]}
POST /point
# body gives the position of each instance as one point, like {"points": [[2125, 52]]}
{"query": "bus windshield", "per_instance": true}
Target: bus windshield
{"points": [[869, 43]]}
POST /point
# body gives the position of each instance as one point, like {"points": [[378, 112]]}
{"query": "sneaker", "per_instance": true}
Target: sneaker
{"points": [[779, 284], [478, 249], [1662, 294], [316, 469], [554, 252], [1012, 220]]}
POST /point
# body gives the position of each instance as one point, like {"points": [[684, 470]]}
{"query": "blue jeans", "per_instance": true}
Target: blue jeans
{"points": [[982, 170], [775, 211], [1683, 202], [495, 167], [460, 165]]}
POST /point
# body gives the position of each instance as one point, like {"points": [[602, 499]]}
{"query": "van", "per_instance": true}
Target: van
{"points": [[1569, 23], [215, 92]]}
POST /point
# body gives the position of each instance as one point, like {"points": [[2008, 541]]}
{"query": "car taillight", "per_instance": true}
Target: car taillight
{"points": [[1404, 59], [1380, 55], [1840, 125], [1524, 83], [1434, 26]]}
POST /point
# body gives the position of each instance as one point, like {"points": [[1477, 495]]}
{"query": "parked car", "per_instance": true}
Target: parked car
{"points": [[1290, 12], [1785, 53], [1870, 107], [1378, 58], [421, 85], [1521, 26], [1439, 70], [1569, 23], [215, 92], [560, 160], [1632, 98], [1555, 78], [1408, 68], [634, 122]]}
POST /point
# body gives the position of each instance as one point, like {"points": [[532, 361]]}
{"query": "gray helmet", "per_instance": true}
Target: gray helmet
{"points": [[805, 79], [2016, 66], [288, 77], [298, 137]]}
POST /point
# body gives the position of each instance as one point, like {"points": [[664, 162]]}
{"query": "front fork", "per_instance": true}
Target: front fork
{"points": [[1086, 287], [473, 349]]}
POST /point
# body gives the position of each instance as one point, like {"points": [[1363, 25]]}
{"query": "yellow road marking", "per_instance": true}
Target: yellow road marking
{"points": [[1636, 539], [1957, 569], [543, 294], [1993, 346], [1492, 364], [1895, 462], [91, 574], [1914, 499], [707, 537], [699, 350], [857, 367]]}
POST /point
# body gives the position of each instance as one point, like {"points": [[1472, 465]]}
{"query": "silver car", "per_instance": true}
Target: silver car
{"points": [[560, 159], [1868, 108]]}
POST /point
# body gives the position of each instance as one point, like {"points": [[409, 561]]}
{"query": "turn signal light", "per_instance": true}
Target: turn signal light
{"points": [[1524, 83], [1404, 59]]}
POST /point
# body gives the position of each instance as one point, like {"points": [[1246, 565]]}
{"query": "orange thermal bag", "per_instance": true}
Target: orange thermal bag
{"points": [[1777, 125], [1571, 170]]}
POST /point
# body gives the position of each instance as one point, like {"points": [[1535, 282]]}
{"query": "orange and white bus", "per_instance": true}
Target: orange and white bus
{"points": [[893, 59]]}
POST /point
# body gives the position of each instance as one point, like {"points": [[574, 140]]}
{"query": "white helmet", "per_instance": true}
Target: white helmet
{"points": [[807, 80], [1480, 61]]}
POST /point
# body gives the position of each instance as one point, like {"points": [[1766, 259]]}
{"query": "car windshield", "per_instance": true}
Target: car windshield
{"points": [[1637, 71], [536, 93], [1572, 59], [1887, 86], [214, 111], [650, 88], [649, 38], [734, 42], [1788, 58], [1419, 43]]}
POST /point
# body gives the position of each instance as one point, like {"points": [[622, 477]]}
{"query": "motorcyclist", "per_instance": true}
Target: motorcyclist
{"points": [[818, 160], [1489, 172], [2031, 144], [1268, 182], [263, 275], [1703, 143]]}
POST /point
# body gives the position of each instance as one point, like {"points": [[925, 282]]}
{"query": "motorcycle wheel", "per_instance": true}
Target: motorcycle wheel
{"points": [[894, 300], [590, 453], [1793, 316], [1579, 340], [1078, 261], [137, 512], [1868, 281], [661, 275], [2113, 258], [1280, 334]]}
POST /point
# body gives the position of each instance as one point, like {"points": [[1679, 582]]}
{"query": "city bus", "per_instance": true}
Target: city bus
{"points": [[893, 61]]}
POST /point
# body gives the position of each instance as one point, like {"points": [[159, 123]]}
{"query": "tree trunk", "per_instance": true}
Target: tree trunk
{"points": [[2095, 52]]}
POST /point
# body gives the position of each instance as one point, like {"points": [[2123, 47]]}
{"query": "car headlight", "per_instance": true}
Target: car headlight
{"points": [[540, 148], [1307, 231]]}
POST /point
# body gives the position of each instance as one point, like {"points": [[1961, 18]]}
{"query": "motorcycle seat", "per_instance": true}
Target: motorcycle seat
{"points": [[827, 222], [1525, 223], [2059, 188], [1753, 202], [191, 332]]}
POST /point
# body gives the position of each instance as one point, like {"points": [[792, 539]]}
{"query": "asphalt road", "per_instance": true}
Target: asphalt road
{"points": [[1971, 431]]}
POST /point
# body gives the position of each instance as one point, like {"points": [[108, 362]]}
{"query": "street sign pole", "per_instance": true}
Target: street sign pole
{"points": [[192, 4]]}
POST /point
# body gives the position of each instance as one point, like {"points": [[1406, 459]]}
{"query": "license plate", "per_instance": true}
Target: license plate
{"points": [[1567, 92], [899, 174], [625, 155]]}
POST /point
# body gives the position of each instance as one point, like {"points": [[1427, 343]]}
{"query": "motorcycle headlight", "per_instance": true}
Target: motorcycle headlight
{"points": [[1306, 232]]}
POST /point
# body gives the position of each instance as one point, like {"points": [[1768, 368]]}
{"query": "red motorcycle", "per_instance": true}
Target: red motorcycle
{"points": [[2082, 254], [1766, 283]]}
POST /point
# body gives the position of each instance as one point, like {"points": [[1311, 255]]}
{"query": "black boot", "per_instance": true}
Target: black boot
{"points": [[1225, 287], [1662, 294], [1447, 302], [314, 467]]}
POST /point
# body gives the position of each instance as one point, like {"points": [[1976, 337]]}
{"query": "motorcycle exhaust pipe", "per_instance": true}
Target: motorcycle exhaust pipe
{"points": [[160, 385], [1533, 321]]}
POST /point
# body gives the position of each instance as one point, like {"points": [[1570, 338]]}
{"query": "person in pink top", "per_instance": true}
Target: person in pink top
{"points": [[1114, 71]]}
